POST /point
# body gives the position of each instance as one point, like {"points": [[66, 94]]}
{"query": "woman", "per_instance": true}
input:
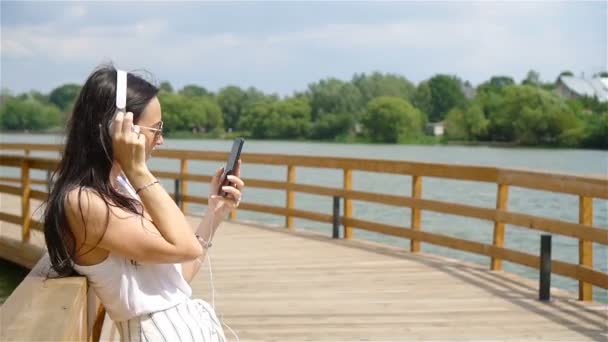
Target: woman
{"points": [[107, 217]]}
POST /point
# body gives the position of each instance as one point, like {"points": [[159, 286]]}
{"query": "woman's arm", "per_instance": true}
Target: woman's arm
{"points": [[206, 228], [218, 207], [96, 222]]}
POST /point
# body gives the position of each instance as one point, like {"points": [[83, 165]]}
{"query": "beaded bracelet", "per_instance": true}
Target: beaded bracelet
{"points": [[145, 186], [203, 242]]}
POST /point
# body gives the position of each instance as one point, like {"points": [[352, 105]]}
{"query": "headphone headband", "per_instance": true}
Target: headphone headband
{"points": [[121, 90]]}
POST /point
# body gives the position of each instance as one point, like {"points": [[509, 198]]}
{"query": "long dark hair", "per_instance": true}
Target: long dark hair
{"points": [[87, 160]]}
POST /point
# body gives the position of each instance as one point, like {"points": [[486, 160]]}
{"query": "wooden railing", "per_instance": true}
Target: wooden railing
{"points": [[585, 187], [42, 309]]}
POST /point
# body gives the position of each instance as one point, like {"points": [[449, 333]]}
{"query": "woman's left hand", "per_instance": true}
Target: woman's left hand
{"points": [[222, 205]]}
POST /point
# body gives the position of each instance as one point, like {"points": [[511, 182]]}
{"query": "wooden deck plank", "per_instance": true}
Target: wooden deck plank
{"points": [[275, 285]]}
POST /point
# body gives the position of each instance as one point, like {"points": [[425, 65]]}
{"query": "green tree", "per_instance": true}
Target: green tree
{"points": [[232, 100], [446, 93], [392, 119], [378, 84], [334, 96], [592, 104], [422, 98], [495, 83], [166, 87], [286, 119], [530, 115], [532, 78], [332, 125], [194, 90], [28, 114], [43, 98], [596, 131], [181, 113], [64, 96], [469, 124]]}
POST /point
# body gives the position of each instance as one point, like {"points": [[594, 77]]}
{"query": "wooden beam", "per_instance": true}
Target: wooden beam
{"points": [[502, 200], [415, 212], [348, 203], [290, 195], [585, 247], [25, 200], [183, 170]]}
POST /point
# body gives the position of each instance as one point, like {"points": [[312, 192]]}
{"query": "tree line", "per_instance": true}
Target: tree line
{"points": [[376, 107]]}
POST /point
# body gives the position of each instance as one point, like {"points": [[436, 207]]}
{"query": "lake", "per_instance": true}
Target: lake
{"points": [[565, 207]]}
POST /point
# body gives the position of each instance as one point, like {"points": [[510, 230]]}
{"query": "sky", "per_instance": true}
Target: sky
{"points": [[282, 47]]}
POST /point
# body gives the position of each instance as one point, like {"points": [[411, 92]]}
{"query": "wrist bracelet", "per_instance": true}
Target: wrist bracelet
{"points": [[145, 186], [203, 242]]}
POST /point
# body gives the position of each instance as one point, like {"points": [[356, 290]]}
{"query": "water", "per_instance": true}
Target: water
{"points": [[540, 203]]}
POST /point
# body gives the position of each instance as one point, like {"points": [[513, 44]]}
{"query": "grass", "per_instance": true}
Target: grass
{"points": [[10, 277]]}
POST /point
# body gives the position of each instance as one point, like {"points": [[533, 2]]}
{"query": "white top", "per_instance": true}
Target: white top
{"points": [[128, 290]]}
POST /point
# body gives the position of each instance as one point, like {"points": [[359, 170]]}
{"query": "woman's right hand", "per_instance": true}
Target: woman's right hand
{"points": [[128, 145]]}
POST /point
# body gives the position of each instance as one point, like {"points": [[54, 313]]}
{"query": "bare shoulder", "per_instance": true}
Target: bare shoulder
{"points": [[86, 213]]}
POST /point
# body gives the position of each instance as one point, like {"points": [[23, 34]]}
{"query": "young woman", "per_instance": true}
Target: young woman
{"points": [[109, 219]]}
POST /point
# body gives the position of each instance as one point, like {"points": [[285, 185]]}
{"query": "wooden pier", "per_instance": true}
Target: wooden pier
{"points": [[278, 284]]}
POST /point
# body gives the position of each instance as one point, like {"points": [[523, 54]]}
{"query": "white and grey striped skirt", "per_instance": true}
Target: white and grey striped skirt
{"points": [[192, 320]]}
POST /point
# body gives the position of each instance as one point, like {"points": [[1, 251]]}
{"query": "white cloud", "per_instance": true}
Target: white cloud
{"points": [[475, 41], [76, 11]]}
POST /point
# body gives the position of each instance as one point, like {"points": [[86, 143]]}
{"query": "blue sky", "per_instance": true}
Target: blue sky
{"points": [[281, 47]]}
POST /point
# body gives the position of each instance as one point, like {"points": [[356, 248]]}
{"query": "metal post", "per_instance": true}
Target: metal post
{"points": [[544, 290], [177, 192], [48, 181], [336, 216]]}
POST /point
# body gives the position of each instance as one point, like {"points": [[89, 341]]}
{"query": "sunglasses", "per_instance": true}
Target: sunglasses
{"points": [[158, 132]]}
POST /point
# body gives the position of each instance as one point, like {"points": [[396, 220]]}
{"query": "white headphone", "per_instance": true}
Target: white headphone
{"points": [[121, 95], [121, 90]]}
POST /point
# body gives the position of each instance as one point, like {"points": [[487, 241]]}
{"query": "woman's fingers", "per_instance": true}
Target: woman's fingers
{"points": [[232, 191], [127, 124], [117, 125], [215, 181], [238, 183]]}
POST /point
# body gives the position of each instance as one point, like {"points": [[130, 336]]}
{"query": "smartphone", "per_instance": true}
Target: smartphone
{"points": [[231, 164]]}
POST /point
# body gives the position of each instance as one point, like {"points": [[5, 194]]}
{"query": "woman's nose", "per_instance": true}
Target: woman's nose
{"points": [[160, 140]]}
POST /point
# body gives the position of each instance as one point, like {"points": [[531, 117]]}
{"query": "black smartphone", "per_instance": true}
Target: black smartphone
{"points": [[230, 167]]}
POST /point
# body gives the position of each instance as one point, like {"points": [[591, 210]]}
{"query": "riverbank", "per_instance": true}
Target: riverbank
{"points": [[348, 140]]}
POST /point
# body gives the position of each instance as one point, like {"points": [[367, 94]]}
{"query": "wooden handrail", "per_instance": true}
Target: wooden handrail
{"points": [[586, 187], [58, 309]]}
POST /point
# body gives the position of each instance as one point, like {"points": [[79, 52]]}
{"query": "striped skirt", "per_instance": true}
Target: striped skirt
{"points": [[192, 320]]}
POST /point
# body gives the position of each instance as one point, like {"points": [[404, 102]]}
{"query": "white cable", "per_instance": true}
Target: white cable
{"points": [[213, 298]]}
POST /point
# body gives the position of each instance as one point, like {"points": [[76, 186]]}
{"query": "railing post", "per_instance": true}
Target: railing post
{"points": [[25, 200], [416, 212], [348, 205], [177, 196], [291, 178], [502, 200], [544, 288], [183, 170], [336, 217], [585, 248]]}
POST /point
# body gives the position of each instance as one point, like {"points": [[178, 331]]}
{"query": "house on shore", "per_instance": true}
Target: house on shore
{"points": [[573, 87]]}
